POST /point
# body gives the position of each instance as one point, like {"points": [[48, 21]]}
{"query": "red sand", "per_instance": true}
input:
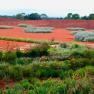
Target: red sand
{"points": [[58, 34], [11, 45], [53, 23], [61, 35]]}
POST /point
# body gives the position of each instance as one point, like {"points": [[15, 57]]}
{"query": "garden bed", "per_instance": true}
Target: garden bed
{"points": [[32, 29]]}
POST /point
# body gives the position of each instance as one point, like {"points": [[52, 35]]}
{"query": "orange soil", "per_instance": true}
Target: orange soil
{"points": [[11, 45], [57, 35], [61, 35]]}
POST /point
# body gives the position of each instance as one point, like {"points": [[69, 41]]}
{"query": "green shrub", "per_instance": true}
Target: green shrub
{"points": [[25, 84], [23, 61], [64, 45], [15, 72], [4, 71], [89, 53], [89, 70], [18, 87], [40, 50], [9, 56], [23, 25], [13, 91], [80, 62], [78, 54], [66, 74], [1, 56], [19, 53], [28, 71], [1, 91], [53, 86], [78, 74]]}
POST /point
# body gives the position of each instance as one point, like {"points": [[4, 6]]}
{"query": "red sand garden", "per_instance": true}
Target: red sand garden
{"points": [[58, 34]]}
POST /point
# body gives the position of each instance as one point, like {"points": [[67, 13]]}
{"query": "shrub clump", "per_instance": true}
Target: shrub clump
{"points": [[76, 29], [6, 27], [40, 50], [23, 25], [84, 36], [33, 29]]}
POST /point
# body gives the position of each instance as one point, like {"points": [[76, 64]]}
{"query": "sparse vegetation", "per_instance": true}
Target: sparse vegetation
{"points": [[28, 40], [76, 29], [50, 67], [33, 29], [84, 36], [54, 76], [6, 27], [23, 25]]}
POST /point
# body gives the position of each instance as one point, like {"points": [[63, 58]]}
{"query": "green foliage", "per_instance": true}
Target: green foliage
{"points": [[23, 61], [1, 55], [33, 16], [40, 50], [54, 86], [25, 84], [9, 56], [28, 40], [72, 75], [64, 45], [23, 25], [15, 72], [20, 16], [19, 53]]}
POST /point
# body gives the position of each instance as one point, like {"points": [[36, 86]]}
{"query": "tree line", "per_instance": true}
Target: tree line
{"points": [[37, 16]]}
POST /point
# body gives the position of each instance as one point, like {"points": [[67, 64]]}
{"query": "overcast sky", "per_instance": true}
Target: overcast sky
{"points": [[50, 7]]}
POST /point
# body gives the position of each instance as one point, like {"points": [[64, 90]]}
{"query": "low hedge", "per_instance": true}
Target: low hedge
{"points": [[28, 40], [6, 27]]}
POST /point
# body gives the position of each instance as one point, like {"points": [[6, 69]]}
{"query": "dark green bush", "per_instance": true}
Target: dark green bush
{"points": [[15, 72], [80, 62], [1, 56], [19, 53], [23, 61], [9, 56], [25, 84], [87, 53], [40, 50], [66, 74], [28, 71], [4, 71], [64, 45]]}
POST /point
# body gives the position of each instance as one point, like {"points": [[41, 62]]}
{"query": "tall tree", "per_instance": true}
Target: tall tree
{"points": [[20, 16], [33, 16], [44, 16], [75, 16], [69, 16], [91, 17]]}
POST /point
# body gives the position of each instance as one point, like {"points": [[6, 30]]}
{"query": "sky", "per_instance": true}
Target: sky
{"points": [[53, 8]]}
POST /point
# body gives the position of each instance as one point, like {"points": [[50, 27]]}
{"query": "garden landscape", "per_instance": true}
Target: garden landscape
{"points": [[40, 54]]}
